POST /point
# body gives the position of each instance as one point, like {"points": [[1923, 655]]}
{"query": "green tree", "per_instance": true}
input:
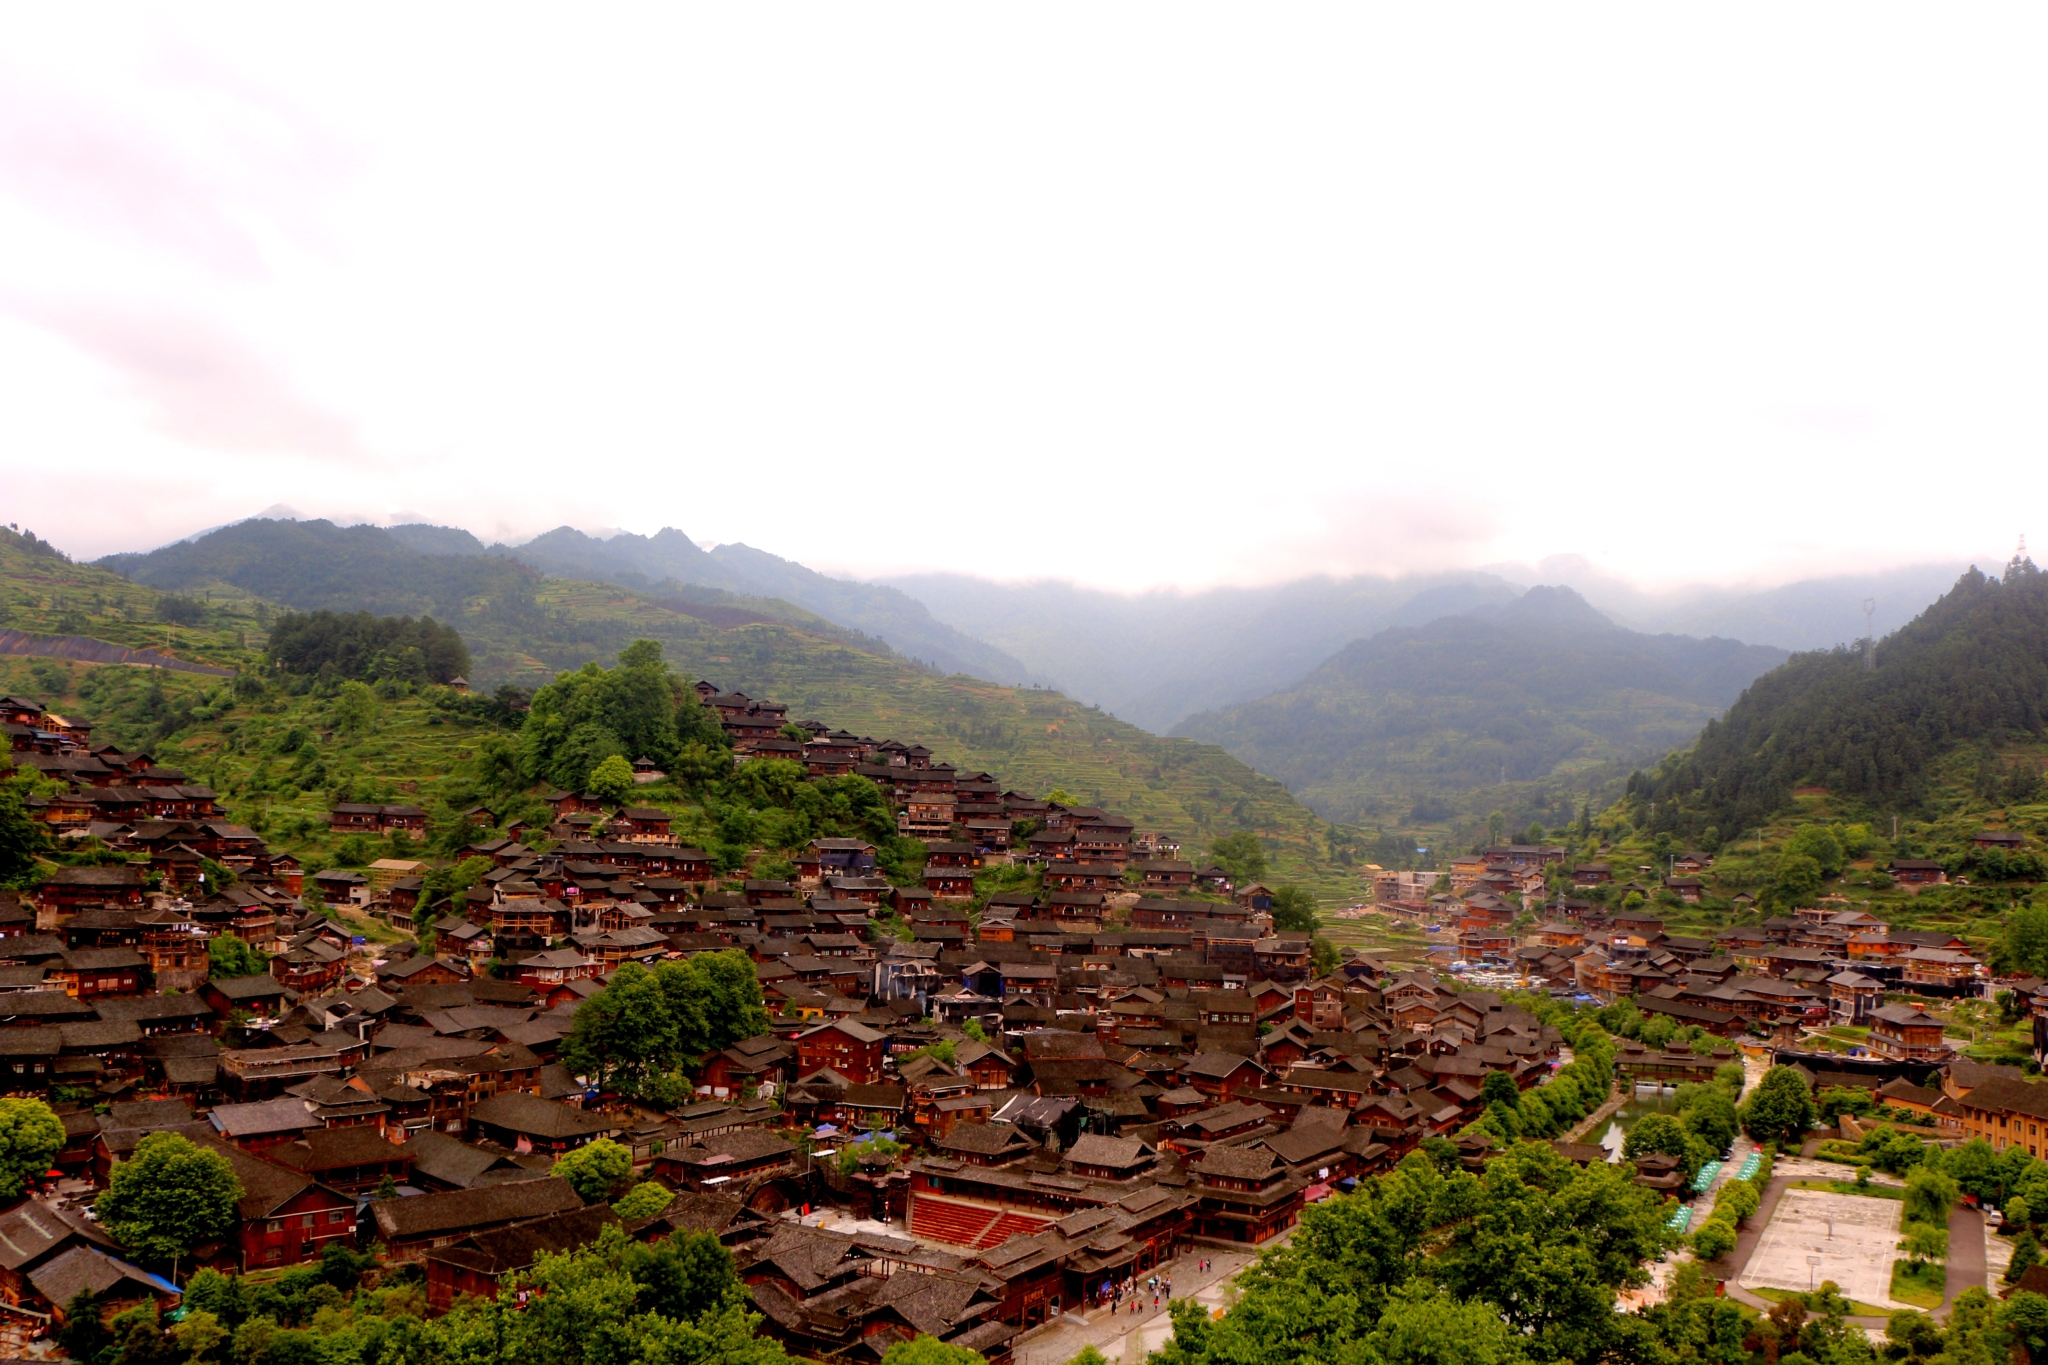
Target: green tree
{"points": [[928, 1350], [1710, 1116], [1713, 1239], [31, 1135], [1665, 1135], [1426, 1326], [683, 1276], [587, 1307], [1796, 880], [84, 1335], [611, 779], [624, 1033], [1819, 843], [1547, 1243], [23, 838], [851, 1154], [228, 955], [2022, 948], [1925, 1242], [583, 717], [2026, 1251], [1294, 910], [200, 1337], [644, 1200], [596, 1170], [1241, 855], [1738, 1199], [443, 884], [168, 1198], [355, 708], [727, 994], [1780, 1110], [1930, 1194]]}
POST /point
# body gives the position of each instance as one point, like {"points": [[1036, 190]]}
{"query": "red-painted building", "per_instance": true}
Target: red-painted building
{"points": [[853, 1050], [284, 1217]]}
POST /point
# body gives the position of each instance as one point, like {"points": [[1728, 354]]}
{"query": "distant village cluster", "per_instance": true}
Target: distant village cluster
{"points": [[1825, 964], [1826, 961]]}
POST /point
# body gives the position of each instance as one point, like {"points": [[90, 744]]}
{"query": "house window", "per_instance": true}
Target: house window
{"points": [[274, 1225]]}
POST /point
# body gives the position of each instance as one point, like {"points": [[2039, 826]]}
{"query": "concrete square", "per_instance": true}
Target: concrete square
{"points": [[1856, 1237]]}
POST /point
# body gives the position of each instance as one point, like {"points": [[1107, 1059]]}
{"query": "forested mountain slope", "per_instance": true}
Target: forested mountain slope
{"points": [[1972, 668], [1543, 687]]}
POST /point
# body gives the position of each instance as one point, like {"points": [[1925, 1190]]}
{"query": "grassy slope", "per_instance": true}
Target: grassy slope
{"points": [[46, 596]]}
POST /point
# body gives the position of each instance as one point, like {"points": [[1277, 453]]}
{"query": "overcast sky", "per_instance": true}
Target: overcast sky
{"points": [[1133, 294]]}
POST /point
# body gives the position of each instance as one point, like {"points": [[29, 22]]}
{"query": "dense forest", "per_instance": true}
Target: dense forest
{"points": [[368, 648], [1541, 686], [1972, 669]]}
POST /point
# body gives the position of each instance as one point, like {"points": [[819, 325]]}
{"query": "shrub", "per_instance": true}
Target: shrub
{"points": [[1738, 1199], [1714, 1240]]}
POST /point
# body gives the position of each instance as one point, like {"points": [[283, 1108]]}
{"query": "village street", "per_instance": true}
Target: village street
{"points": [[1125, 1337]]}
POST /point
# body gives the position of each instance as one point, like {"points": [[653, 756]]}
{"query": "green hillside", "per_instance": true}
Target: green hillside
{"points": [[1543, 698], [1970, 671], [1031, 739], [43, 593]]}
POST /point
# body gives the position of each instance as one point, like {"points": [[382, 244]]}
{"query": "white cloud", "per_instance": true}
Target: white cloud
{"points": [[1153, 294]]}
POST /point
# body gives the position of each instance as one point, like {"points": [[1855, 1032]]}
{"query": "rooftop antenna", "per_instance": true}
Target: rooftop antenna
{"points": [[1870, 632]]}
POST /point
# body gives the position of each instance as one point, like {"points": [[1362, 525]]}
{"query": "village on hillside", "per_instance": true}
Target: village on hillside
{"points": [[1035, 1100]]}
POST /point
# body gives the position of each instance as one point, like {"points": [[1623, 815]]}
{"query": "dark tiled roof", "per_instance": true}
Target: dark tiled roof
{"points": [[431, 1215]]}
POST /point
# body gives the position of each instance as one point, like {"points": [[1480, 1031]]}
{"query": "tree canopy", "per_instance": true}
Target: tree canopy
{"points": [[31, 1135], [367, 648], [168, 1197], [1780, 1109], [597, 1170], [645, 1023], [582, 718]]}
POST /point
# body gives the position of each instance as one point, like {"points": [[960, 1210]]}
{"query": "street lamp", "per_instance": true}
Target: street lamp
{"points": [[1812, 1267]]}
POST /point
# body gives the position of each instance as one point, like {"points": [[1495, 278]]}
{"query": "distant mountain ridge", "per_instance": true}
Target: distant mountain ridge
{"points": [[670, 556], [316, 566], [446, 572], [1532, 689], [1155, 658]]}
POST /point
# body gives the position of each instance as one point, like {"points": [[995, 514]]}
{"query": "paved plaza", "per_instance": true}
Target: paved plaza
{"points": [[1855, 1237]]}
